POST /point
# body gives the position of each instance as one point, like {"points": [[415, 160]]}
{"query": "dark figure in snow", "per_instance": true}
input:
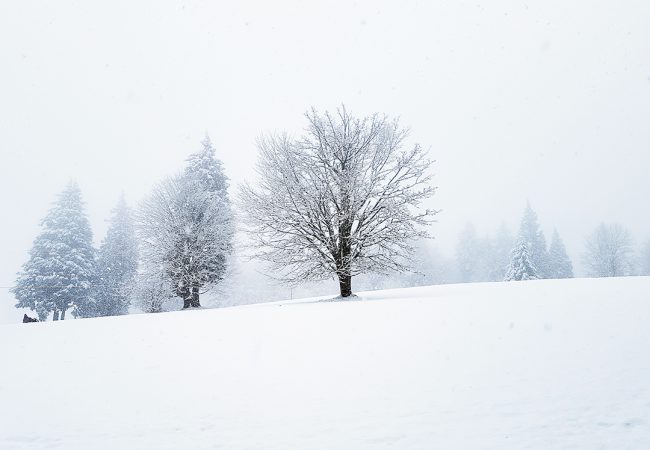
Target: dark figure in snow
{"points": [[27, 319]]}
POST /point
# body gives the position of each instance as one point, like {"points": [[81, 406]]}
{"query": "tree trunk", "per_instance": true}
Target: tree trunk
{"points": [[63, 314], [55, 315], [195, 298], [344, 262], [187, 302], [345, 284]]}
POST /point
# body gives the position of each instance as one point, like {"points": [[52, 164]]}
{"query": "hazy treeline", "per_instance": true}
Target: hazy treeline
{"points": [[344, 200]]}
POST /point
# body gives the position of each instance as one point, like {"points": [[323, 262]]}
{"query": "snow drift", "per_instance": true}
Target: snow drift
{"points": [[538, 364]]}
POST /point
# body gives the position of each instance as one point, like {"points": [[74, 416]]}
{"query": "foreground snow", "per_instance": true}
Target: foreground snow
{"points": [[541, 365]]}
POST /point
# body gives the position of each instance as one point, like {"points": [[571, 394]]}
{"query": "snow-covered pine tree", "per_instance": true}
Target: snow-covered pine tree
{"points": [[117, 263], [186, 227], [61, 265], [559, 264], [521, 265], [204, 168], [531, 233]]}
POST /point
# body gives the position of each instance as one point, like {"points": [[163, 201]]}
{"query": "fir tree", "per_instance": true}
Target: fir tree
{"points": [[60, 269], [117, 263], [204, 168], [560, 265], [521, 265], [531, 233]]}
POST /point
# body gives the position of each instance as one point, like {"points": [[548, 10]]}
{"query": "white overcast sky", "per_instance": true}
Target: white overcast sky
{"points": [[547, 101]]}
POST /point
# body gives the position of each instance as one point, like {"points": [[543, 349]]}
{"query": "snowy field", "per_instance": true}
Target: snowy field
{"points": [[553, 364]]}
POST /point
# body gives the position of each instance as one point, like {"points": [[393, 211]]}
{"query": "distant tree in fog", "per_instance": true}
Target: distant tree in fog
{"points": [[430, 267], [342, 200], [468, 254], [609, 251], [644, 263], [483, 258], [521, 266], [559, 264], [503, 243], [117, 264], [531, 233], [61, 266]]}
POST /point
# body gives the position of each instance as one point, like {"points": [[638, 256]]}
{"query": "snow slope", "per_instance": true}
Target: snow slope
{"points": [[562, 364]]}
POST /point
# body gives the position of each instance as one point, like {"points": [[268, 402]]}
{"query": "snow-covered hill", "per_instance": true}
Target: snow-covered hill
{"points": [[531, 365]]}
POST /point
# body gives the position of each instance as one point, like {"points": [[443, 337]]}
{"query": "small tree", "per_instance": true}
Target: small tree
{"points": [[560, 265], [342, 200], [151, 289], [117, 263], [521, 265], [608, 252], [186, 227], [60, 269]]}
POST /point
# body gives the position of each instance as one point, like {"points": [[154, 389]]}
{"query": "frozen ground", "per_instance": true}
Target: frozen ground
{"points": [[533, 365]]}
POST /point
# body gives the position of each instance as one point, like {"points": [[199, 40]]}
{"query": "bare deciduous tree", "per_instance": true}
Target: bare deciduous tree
{"points": [[342, 200], [608, 252]]}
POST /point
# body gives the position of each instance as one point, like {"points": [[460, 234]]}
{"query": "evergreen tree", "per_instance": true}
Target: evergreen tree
{"points": [[204, 168], [560, 265], [60, 269], [521, 264], [531, 233], [117, 263]]}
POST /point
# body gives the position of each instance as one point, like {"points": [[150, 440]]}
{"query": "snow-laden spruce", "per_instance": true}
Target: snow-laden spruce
{"points": [[521, 264], [531, 233], [341, 200], [61, 266], [117, 264], [559, 264], [186, 229]]}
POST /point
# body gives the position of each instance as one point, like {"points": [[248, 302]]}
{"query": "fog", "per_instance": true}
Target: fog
{"points": [[547, 102]]}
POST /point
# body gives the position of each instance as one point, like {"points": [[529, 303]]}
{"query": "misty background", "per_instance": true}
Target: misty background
{"points": [[547, 103]]}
